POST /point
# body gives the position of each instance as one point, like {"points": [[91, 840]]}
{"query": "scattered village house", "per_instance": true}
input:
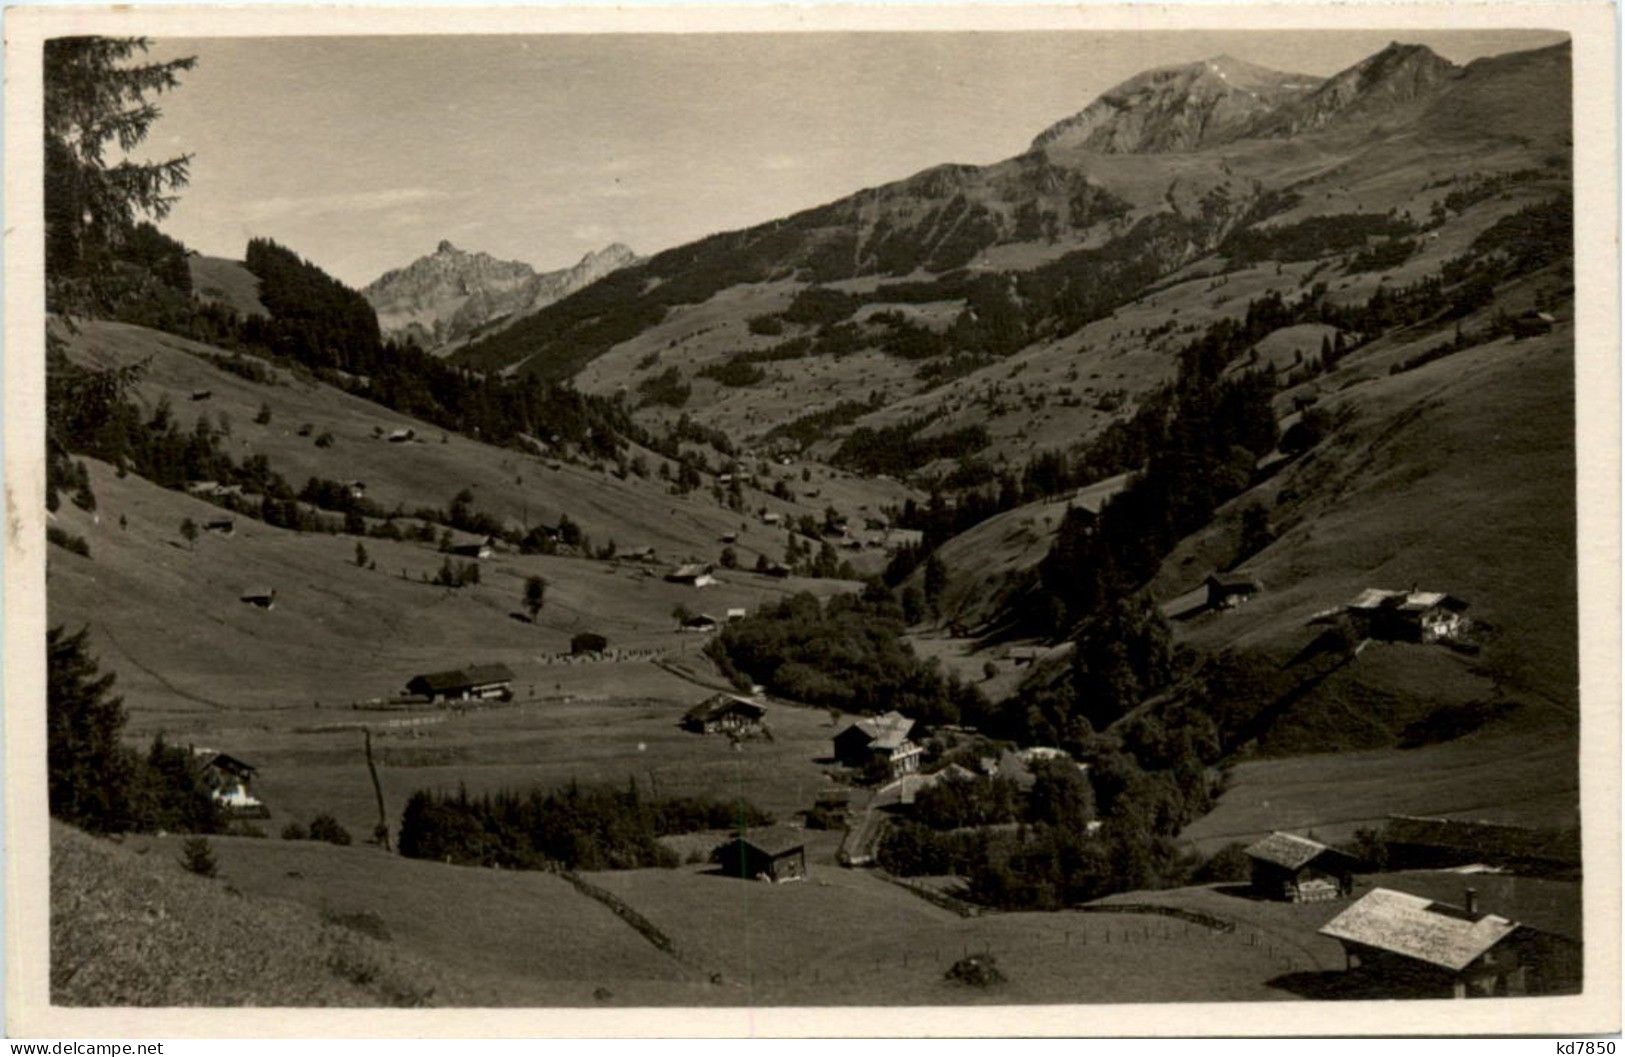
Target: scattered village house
{"points": [[1299, 870], [724, 714], [885, 737], [736, 613], [263, 597], [228, 780], [1419, 947], [699, 622], [768, 854], [221, 525], [402, 436], [1408, 616], [691, 575], [1228, 590], [475, 682], [478, 549]]}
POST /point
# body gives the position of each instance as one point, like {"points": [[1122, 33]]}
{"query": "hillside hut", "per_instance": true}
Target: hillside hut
{"points": [[478, 549], [475, 682], [220, 526], [777, 570], [228, 779], [402, 436], [202, 394], [261, 597], [1532, 323], [769, 854], [736, 613], [1408, 616], [702, 623], [724, 714], [772, 519], [1228, 590], [1299, 870], [1412, 945], [693, 574], [885, 737]]}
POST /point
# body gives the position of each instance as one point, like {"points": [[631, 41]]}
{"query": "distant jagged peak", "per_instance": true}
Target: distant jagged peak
{"points": [[446, 247], [1397, 76]]}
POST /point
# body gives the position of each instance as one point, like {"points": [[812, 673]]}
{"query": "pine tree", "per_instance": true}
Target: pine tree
{"points": [[91, 776], [94, 98]]}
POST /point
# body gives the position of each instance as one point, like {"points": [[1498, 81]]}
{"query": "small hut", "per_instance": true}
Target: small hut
{"points": [[769, 854]]}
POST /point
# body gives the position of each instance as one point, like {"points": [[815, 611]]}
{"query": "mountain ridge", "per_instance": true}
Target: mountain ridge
{"points": [[444, 298]]}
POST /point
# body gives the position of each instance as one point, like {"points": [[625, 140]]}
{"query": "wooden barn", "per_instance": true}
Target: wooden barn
{"points": [[260, 597], [885, 737], [1299, 870], [1228, 590], [478, 549], [700, 622], [692, 575], [1409, 616], [768, 854], [228, 780], [1418, 947], [475, 682], [724, 714], [223, 526]]}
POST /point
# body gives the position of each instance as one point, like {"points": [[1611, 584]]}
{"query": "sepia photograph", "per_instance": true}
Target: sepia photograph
{"points": [[926, 516]]}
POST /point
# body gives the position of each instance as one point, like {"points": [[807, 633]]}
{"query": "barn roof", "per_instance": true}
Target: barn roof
{"points": [[887, 731], [473, 675], [721, 705], [688, 572], [230, 764], [1407, 601], [1234, 581], [771, 840], [1288, 850], [1417, 927]]}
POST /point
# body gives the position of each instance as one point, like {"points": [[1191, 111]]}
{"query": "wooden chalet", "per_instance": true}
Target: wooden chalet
{"points": [[1228, 590], [1419, 947], [261, 597], [478, 549], [1299, 870], [724, 714], [1408, 616], [223, 526], [699, 622], [769, 854], [885, 737], [228, 779], [475, 682], [692, 575]]}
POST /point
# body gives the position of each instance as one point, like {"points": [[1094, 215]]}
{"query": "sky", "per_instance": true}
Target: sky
{"points": [[363, 153]]}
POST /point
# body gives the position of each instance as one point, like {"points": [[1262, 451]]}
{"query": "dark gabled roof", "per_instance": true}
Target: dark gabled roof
{"points": [[1289, 851], [473, 675], [1234, 582], [1417, 927], [885, 731], [722, 704], [771, 841], [691, 571], [231, 765]]}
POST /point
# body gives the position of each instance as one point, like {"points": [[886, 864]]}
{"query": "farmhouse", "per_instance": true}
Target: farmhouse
{"points": [[1228, 590], [724, 714], [777, 570], [1299, 870], [736, 613], [692, 575], [701, 622], [1425, 948], [477, 681], [478, 549], [1409, 616], [884, 737], [768, 854], [401, 436], [772, 519], [357, 489], [263, 597], [220, 525], [228, 779]]}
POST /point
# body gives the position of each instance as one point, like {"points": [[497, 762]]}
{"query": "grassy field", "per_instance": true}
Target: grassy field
{"points": [[130, 927]]}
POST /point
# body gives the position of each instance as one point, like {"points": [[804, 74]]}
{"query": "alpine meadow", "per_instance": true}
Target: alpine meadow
{"points": [[598, 521]]}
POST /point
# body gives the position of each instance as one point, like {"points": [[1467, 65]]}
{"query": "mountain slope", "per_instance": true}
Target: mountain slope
{"points": [[443, 298], [1177, 108], [1397, 76]]}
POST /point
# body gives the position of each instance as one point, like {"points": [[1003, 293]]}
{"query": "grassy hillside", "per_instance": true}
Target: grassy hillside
{"points": [[130, 927]]}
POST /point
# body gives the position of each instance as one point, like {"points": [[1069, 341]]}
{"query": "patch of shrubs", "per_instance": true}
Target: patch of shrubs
{"points": [[575, 828], [67, 541], [323, 827]]}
